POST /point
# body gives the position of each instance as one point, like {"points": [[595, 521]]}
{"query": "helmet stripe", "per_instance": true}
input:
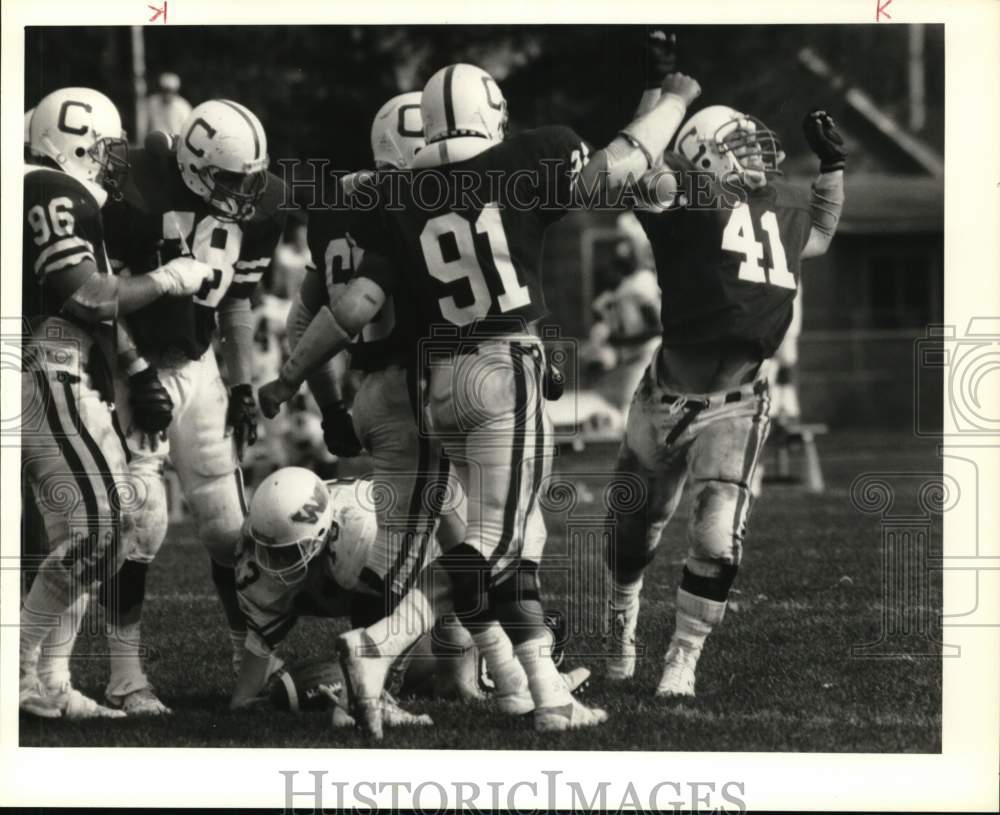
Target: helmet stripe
{"points": [[240, 110], [449, 103]]}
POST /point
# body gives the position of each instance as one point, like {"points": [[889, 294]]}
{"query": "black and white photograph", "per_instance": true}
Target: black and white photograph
{"points": [[581, 391]]}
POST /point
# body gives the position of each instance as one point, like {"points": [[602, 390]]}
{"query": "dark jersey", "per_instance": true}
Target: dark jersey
{"points": [[729, 273], [161, 219], [390, 337], [469, 234], [62, 227]]}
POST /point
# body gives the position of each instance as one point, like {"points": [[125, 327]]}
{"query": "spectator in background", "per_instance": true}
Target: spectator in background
{"points": [[627, 327], [166, 109], [288, 268]]}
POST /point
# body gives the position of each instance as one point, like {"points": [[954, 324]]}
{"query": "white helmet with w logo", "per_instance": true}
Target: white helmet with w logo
{"points": [[290, 517], [222, 156], [398, 131], [460, 101]]}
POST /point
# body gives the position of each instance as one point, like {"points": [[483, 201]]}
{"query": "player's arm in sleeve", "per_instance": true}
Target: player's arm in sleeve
{"points": [[325, 382], [331, 331], [269, 621], [826, 199], [635, 153], [335, 326], [66, 230], [236, 327]]}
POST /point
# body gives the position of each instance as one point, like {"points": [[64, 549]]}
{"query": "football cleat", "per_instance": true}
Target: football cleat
{"points": [[568, 717], [34, 699], [394, 716], [678, 671], [141, 702], [365, 672], [75, 705], [521, 703], [515, 704], [621, 663]]}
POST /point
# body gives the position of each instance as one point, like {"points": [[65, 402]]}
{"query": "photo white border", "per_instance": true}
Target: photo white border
{"points": [[964, 776]]}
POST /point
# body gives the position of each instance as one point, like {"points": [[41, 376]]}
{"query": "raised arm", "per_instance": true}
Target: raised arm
{"points": [[827, 197]]}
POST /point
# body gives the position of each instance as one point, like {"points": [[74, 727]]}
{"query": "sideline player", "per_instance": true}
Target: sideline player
{"points": [[728, 257], [73, 457], [474, 262], [213, 198]]}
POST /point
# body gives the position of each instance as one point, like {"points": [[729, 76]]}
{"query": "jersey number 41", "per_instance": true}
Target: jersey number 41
{"points": [[739, 237]]}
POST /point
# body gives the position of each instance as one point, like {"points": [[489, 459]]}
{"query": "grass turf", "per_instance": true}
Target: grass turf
{"points": [[778, 674]]}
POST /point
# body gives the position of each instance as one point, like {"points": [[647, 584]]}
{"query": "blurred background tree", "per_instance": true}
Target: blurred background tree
{"points": [[316, 88]]}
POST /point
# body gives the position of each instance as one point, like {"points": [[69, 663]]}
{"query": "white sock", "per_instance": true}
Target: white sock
{"points": [[625, 596], [53, 664], [696, 617], [497, 651], [124, 645], [41, 612], [547, 686], [412, 618]]}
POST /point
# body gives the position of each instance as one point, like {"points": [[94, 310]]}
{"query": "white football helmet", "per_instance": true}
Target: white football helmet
{"points": [[398, 131], [463, 100], [290, 517], [730, 144], [222, 156], [80, 129]]}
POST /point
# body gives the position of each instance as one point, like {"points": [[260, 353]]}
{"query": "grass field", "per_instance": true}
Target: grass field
{"points": [[777, 675]]}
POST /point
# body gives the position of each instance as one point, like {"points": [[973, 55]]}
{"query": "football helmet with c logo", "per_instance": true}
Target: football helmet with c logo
{"points": [[222, 156]]}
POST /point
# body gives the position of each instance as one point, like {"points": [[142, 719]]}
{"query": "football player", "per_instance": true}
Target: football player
{"points": [[473, 255], [212, 198], [728, 251], [73, 457], [304, 550], [412, 472], [407, 466]]}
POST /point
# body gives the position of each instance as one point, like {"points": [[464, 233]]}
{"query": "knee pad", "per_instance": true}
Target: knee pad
{"points": [[523, 585], [469, 573], [718, 522], [218, 508], [125, 591], [148, 518], [626, 556]]}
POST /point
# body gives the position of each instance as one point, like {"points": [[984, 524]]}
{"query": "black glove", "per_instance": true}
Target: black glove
{"points": [[824, 140], [338, 431], [553, 381], [150, 405], [659, 57], [241, 416]]}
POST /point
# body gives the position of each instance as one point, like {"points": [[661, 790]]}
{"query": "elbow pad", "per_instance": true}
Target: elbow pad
{"points": [[826, 202], [96, 300]]}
